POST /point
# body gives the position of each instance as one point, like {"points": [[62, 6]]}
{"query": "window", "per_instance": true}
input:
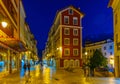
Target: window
{"points": [[104, 48], [66, 63], [75, 41], [66, 31], [75, 52], [66, 52], [66, 19], [77, 63], [72, 63], [90, 50], [110, 53], [66, 41], [111, 47], [75, 32], [70, 12], [105, 53], [75, 21]]}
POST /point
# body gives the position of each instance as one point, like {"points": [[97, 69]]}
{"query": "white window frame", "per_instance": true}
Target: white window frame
{"points": [[66, 29], [74, 53], [66, 17], [75, 44], [75, 34], [77, 63], [72, 63], [66, 49], [66, 63], [75, 19], [69, 12], [68, 39]]}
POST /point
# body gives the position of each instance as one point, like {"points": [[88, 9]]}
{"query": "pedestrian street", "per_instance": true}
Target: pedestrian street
{"points": [[49, 75]]}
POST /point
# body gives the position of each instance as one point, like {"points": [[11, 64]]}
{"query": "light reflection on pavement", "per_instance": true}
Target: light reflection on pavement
{"points": [[49, 75]]}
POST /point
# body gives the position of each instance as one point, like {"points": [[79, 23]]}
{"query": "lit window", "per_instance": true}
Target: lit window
{"points": [[66, 52], [75, 52], [70, 12], [66, 41], [75, 41], [75, 32], [66, 31], [66, 19], [75, 21]]}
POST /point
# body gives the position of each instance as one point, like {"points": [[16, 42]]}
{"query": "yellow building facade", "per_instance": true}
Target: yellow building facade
{"points": [[115, 4], [106, 47], [12, 36], [89, 50]]}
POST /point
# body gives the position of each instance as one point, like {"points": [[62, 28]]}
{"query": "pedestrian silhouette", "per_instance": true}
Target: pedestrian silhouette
{"points": [[24, 67], [28, 66]]}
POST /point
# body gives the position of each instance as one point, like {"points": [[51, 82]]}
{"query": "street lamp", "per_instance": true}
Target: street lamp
{"points": [[4, 24], [86, 53], [85, 57], [3, 21]]}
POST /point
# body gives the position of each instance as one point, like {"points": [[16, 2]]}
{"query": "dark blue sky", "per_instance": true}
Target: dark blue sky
{"points": [[97, 22]]}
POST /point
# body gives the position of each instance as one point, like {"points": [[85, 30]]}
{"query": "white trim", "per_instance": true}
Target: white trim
{"points": [[68, 41], [77, 63], [66, 29], [75, 18], [75, 34], [77, 52], [74, 9], [69, 11], [67, 49], [71, 26], [66, 17], [66, 63], [74, 44]]}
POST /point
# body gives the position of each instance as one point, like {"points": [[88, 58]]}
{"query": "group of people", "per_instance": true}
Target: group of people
{"points": [[26, 66]]}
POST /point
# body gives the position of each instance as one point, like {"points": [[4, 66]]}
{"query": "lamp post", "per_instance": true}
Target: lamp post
{"points": [[85, 57], [86, 67]]}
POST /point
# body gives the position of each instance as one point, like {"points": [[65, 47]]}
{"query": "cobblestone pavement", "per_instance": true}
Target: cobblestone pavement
{"points": [[49, 75]]}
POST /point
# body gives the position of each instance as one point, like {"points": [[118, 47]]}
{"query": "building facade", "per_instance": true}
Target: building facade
{"points": [[9, 53], [12, 36], [115, 4], [105, 46], [64, 44]]}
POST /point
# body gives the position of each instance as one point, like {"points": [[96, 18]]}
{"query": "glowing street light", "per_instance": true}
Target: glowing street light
{"points": [[4, 24], [86, 53]]}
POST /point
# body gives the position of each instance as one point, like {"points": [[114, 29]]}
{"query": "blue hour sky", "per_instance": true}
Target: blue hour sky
{"points": [[97, 22]]}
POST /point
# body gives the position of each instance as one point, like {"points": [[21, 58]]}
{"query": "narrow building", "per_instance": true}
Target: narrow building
{"points": [[64, 43]]}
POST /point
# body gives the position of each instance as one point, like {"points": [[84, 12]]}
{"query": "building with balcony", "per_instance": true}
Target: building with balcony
{"points": [[64, 44], [12, 35], [115, 4]]}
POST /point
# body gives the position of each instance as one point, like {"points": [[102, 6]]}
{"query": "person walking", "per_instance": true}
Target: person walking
{"points": [[24, 67], [28, 66]]}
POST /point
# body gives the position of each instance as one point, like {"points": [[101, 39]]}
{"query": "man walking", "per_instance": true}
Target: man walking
{"points": [[28, 65]]}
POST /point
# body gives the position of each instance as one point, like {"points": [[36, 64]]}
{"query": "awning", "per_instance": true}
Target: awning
{"points": [[14, 44]]}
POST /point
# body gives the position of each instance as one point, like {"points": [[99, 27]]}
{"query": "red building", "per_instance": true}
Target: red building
{"points": [[65, 38]]}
